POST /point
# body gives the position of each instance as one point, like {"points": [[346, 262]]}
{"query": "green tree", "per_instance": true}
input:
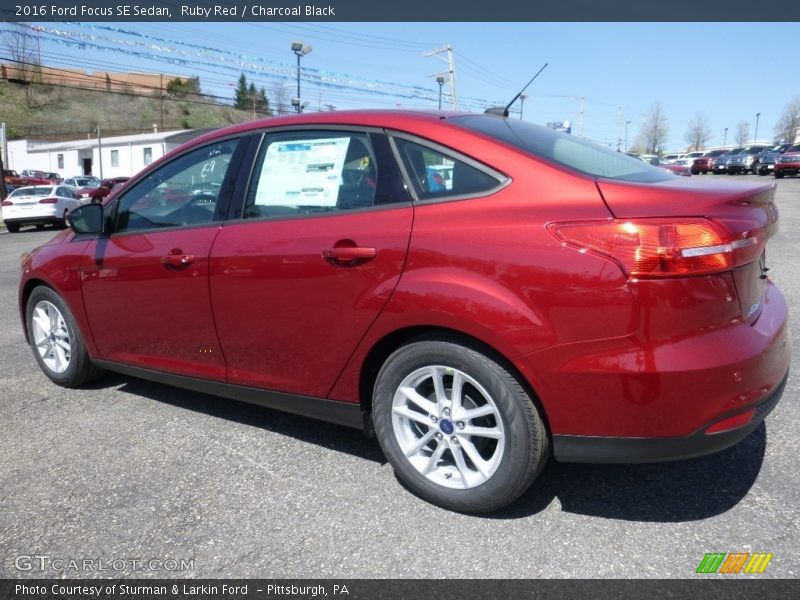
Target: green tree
{"points": [[241, 98], [180, 87], [263, 102]]}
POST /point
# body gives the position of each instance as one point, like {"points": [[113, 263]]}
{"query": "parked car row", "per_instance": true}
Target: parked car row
{"points": [[781, 160], [756, 159], [49, 203]]}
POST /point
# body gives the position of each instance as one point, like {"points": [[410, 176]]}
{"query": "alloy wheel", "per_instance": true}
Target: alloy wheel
{"points": [[51, 336], [448, 427]]}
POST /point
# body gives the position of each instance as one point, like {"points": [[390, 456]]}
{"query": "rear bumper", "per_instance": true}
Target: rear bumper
{"points": [[787, 168], [32, 220], [645, 397], [593, 449]]}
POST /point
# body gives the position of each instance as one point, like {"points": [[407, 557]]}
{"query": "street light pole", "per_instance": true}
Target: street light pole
{"points": [[440, 81], [299, 50], [522, 98], [755, 136], [725, 137]]}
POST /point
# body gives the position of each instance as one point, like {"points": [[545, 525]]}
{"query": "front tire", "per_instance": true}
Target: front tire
{"points": [[457, 427], [56, 341], [12, 227]]}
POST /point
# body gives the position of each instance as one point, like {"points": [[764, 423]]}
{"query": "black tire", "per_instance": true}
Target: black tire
{"points": [[12, 227], [778, 175], [80, 369], [523, 449]]}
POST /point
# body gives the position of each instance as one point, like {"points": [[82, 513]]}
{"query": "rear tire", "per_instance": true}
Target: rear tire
{"points": [[476, 452], [56, 341], [778, 175], [12, 227]]}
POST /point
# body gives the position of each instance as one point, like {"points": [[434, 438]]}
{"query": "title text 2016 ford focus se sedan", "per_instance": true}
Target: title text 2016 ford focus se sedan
{"points": [[554, 298]]}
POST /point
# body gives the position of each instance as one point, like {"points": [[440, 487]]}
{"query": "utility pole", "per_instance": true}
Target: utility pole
{"points": [[451, 70], [3, 154], [580, 129], [160, 107], [620, 121], [522, 98], [100, 151], [725, 136], [330, 107], [626, 135]]}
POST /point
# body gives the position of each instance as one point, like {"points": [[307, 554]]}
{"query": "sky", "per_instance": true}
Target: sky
{"points": [[728, 71]]}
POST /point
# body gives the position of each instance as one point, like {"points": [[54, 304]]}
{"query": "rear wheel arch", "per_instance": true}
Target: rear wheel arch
{"points": [[382, 349]]}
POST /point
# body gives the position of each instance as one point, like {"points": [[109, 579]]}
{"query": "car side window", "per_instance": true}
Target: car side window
{"points": [[180, 193], [436, 175], [313, 172]]}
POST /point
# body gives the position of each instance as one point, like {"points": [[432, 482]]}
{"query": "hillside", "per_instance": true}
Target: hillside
{"points": [[62, 113]]}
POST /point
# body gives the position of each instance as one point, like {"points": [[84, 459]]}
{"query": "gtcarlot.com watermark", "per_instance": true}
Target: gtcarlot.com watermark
{"points": [[44, 563]]}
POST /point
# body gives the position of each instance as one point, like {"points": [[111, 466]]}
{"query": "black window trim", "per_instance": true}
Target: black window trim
{"points": [[236, 212], [242, 142], [503, 180]]}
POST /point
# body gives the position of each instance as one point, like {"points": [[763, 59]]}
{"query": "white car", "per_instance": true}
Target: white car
{"points": [[38, 205]]}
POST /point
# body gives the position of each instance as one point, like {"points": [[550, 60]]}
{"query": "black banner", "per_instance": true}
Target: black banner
{"points": [[408, 10], [732, 588]]}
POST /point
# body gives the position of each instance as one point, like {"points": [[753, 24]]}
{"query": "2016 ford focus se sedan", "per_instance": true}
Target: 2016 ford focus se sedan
{"points": [[554, 298]]}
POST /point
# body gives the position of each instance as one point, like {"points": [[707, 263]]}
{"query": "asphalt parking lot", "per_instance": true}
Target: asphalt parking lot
{"points": [[126, 469]]}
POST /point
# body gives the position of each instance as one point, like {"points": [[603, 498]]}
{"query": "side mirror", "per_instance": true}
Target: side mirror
{"points": [[87, 219]]}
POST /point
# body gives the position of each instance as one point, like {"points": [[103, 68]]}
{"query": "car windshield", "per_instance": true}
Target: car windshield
{"points": [[564, 149], [32, 191], [755, 150], [734, 151], [89, 183]]}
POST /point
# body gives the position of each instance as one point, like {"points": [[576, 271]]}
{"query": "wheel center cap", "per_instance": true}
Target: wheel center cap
{"points": [[52, 337], [446, 425]]}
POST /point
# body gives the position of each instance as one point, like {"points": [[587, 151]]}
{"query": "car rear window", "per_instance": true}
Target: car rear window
{"points": [[32, 191], [564, 149]]}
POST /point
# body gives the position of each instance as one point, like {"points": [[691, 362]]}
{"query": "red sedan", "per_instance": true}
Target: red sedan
{"points": [[556, 298]]}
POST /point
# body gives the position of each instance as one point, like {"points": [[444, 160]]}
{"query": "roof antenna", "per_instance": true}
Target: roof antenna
{"points": [[503, 112]]}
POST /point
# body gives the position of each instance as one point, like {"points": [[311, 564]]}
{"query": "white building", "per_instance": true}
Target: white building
{"points": [[122, 156]]}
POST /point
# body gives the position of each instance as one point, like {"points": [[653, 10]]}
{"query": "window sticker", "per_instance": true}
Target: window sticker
{"points": [[302, 172]]}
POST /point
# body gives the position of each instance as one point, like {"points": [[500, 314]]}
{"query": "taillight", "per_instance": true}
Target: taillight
{"points": [[7, 203], [48, 200], [659, 247]]}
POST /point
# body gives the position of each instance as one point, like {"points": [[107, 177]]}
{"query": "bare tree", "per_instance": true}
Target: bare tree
{"points": [[277, 94], [654, 129], [23, 49], [742, 133], [698, 133], [788, 126]]}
